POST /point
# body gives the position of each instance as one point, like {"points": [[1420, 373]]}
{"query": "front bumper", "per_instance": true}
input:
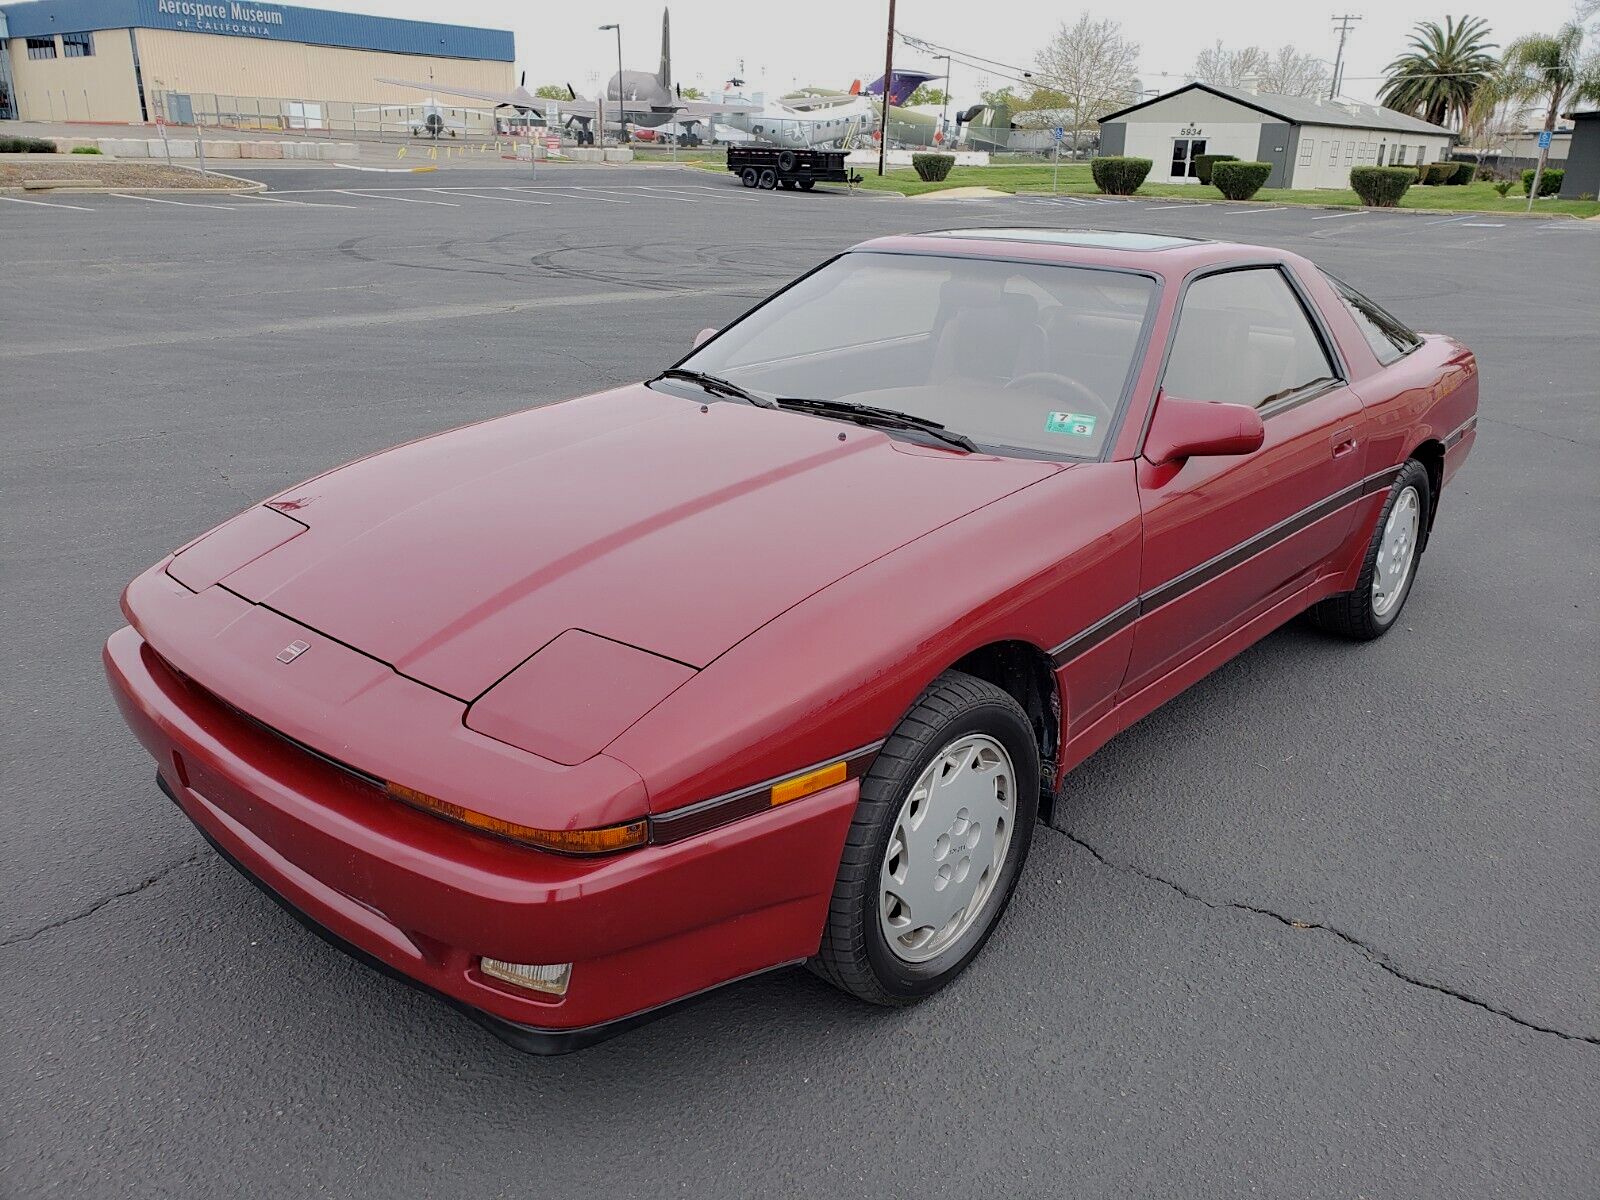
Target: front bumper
{"points": [[423, 899]]}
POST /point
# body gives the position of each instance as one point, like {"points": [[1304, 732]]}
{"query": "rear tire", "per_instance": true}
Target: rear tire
{"points": [[939, 839], [1370, 609], [769, 179], [749, 177]]}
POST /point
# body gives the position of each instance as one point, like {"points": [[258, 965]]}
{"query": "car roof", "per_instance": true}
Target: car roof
{"points": [[1162, 254]]}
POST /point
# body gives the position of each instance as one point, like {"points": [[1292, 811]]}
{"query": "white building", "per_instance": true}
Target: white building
{"points": [[1311, 143]]}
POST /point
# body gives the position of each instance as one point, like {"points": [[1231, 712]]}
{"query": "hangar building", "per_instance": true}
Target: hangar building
{"points": [[1311, 143], [118, 60]]}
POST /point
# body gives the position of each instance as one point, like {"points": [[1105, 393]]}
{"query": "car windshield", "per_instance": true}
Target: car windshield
{"points": [[1023, 356]]}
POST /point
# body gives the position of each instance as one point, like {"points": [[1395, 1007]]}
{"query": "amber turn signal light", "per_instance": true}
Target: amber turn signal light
{"points": [[811, 781], [566, 841]]}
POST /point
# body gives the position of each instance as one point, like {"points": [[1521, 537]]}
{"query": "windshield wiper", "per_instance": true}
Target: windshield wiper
{"points": [[867, 414], [718, 386]]}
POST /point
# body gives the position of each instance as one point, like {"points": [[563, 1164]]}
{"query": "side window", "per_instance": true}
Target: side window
{"points": [[1389, 339], [1243, 338]]}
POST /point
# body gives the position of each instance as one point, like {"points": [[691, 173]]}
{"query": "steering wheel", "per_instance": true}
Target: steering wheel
{"points": [[1079, 392]]}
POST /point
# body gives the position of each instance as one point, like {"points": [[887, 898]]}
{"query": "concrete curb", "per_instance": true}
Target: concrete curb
{"points": [[1200, 200], [240, 185]]}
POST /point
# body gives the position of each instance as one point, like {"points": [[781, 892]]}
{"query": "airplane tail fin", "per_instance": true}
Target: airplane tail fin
{"points": [[855, 87], [664, 75]]}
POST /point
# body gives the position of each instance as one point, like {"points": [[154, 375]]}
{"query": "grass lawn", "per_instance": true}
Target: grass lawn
{"points": [[1075, 178]]}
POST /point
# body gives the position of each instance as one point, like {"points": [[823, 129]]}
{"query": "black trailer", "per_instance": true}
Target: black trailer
{"points": [[770, 166]]}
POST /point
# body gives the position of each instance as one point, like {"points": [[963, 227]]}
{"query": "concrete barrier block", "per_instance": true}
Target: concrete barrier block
{"points": [[267, 149], [129, 147], [179, 147], [619, 154], [220, 149]]}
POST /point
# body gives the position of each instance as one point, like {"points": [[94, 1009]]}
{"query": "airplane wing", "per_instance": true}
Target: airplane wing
{"points": [[518, 99], [705, 108]]}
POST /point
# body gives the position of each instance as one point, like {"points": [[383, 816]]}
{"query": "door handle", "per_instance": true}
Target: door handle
{"points": [[1344, 442]]}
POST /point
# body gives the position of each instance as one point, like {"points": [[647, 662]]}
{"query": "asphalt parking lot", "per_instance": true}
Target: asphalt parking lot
{"points": [[1327, 925]]}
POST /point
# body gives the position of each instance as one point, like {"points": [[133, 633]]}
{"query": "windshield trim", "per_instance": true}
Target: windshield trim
{"points": [[1130, 381]]}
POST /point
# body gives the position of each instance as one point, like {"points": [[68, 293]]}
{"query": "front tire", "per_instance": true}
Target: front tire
{"points": [[1370, 609], [939, 838]]}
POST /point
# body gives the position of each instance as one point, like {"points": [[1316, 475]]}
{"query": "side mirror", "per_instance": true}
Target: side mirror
{"points": [[704, 336], [1201, 429]]}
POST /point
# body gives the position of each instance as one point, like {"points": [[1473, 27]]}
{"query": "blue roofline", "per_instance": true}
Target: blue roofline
{"points": [[262, 19]]}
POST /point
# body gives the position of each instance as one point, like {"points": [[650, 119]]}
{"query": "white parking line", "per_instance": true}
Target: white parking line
{"points": [[475, 196], [561, 194], [1335, 216], [1169, 208], [45, 204], [179, 203], [1448, 220], [401, 199], [1483, 224], [1239, 212], [299, 203]]}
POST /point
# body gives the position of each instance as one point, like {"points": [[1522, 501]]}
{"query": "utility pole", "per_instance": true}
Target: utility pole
{"points": [[888, 86], [1343, 24]]}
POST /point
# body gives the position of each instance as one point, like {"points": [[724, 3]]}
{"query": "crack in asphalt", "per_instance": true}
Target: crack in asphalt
{"points": [[1376, 957], [194, 858]]}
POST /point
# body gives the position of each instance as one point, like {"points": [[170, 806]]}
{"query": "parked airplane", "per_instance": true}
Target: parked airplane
{"points": [[429, 119], [817, 116], [638, 98]]}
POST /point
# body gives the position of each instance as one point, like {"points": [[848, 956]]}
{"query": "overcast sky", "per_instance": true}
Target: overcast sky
{"points": [[830, 42]]}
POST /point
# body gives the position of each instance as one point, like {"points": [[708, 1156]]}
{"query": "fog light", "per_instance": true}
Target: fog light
{"points": [[550, 978]]}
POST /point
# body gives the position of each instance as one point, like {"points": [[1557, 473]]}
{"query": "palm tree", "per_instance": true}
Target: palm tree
{"points": [[1444, 68], [1550, 70]]}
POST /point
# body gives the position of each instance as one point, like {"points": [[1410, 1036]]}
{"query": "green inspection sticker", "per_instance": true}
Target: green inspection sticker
{"points": [[1073, 424]]}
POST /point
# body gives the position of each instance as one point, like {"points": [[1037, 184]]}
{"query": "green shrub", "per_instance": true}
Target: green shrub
{"points": [[1381, 187], [1203, 164], [932, 167], [1240, 180], [1549, 182], [1502, 187], [1438, 174], [86, 149], [1463, 174], [1119, 176], [26, 145]]}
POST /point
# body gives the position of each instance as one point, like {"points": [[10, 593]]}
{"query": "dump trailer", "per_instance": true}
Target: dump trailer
{"points": [[772, 166]]}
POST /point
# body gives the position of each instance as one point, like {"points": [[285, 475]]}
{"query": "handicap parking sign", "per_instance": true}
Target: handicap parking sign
{"points": [[1544, 139], [1058, 133]]}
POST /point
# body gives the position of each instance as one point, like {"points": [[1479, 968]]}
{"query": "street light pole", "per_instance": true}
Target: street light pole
{"points": [[622, 113], [943, 108]]}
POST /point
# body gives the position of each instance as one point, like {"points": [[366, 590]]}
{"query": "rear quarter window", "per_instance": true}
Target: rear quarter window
{"points": [[1389, 339]]}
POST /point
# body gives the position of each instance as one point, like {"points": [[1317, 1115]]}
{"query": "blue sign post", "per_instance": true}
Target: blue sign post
{"points": [[1055, 163], [1544, 139]]}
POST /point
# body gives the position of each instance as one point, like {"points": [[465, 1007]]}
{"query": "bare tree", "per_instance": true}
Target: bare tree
{"points": [[1291, 73], [1230, 68], [1090, 69], [1284, 73]]}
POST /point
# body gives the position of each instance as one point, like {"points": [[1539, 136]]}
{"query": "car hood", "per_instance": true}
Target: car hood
{"points": [[635, 515]]}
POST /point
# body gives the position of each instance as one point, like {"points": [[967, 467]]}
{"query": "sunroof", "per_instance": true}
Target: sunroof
{"points": [[1100, 239]]}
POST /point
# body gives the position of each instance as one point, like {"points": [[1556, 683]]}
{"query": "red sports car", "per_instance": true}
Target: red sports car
{"points": [[575, 713]]}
